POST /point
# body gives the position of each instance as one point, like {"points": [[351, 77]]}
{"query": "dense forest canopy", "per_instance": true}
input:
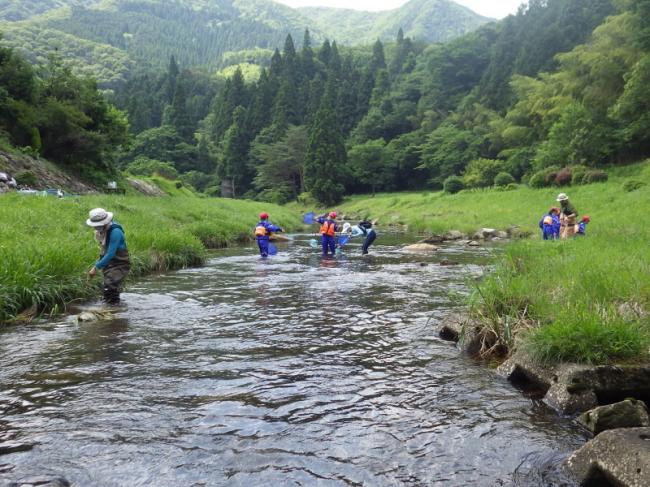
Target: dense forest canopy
{"points": [[561, 86]]}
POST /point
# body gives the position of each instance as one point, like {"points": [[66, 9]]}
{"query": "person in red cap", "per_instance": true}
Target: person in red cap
{"points": [[328, 229], [263, 231]]}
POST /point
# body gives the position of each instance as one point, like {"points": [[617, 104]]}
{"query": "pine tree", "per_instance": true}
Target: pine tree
{"points": [[232, 168], [179, 118], [326, 158]]}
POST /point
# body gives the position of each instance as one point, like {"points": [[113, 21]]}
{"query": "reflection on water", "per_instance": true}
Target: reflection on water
{"points": [[290, 371]]}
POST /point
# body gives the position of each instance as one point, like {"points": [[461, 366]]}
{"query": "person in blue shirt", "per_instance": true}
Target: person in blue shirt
{"points": [[114, 259], [582, 226], [263, 232], [364, 228], [550, 225], [328, 229]]}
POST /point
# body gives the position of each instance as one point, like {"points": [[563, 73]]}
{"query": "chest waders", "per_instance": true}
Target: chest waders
{"points": [[114, 274]]}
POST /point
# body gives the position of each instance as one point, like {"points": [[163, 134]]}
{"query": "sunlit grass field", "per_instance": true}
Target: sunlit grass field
{"points": [[46, 248], [584, 300]]}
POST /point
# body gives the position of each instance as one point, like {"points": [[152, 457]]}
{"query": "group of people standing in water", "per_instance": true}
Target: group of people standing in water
{"points": [[114, 261], [332, 234], [562, 223]]}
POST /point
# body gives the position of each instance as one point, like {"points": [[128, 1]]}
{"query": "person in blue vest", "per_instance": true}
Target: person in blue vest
{"points": [[263, 232], [114, 259], [328, 229], [582, 226], [550, 225]]}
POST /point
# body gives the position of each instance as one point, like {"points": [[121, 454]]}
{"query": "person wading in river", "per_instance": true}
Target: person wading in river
{"points": [[364, 228], [114, 257], [568, 217], [328, 229], [263, 232]]}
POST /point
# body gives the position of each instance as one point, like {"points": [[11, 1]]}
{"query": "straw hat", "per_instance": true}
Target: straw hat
{"points": [[99, 217], [562, 197]]}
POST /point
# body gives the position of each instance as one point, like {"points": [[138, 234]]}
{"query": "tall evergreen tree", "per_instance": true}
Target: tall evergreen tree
{"points": [[326, 157]]}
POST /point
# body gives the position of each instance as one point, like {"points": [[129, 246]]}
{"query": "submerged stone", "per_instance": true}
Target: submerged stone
{"points": [[421, 247]]}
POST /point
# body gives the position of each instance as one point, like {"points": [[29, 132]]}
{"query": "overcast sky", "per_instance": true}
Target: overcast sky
{"points": [[490, 8]]}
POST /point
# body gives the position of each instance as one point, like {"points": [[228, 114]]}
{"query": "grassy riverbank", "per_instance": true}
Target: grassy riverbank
{"points": [[583, 300], [46, 248]]}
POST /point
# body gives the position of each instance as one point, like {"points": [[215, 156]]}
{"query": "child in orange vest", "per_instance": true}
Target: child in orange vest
{"points": [[328, 231]]}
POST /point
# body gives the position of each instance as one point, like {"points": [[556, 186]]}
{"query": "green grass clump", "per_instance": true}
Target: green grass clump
{"points": [[46, 248], [586, 337]]}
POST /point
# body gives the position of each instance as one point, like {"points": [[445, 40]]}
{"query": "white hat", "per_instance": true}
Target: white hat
{"points": [[346, 227], [562, 197], [99, 217]]}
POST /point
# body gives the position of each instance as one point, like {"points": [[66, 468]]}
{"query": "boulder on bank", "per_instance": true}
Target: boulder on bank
{"points": [[454, 235], [616, 457], [421, 247], [625, 414], [145, 188], [463, 329], [485, 233], [576, 388]]}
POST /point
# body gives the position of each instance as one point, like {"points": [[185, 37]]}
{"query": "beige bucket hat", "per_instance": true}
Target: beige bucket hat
{"points": [[99, 217]]}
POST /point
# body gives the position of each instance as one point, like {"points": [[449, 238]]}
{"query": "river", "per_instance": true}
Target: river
{"points": [[290, 371]]}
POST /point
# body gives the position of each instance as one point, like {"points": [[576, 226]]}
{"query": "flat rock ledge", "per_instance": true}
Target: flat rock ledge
{"points": [[619, 457]]}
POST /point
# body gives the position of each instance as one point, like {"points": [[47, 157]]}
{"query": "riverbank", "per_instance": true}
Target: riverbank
{"points": [[584, 300], [46, 247]]}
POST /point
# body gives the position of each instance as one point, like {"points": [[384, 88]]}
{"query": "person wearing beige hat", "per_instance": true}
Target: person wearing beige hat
{"points": [[114, 259], [568, 215]]}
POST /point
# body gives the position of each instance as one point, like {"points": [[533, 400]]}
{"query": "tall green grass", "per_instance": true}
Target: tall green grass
{"points": [[583, 300], [46, 248]]}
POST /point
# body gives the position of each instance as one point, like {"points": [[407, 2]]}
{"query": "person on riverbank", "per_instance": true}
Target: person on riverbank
{"points": [[581, 229], [114, 259], [550, 224], [263, 231], [328, 229], [568, 216]]}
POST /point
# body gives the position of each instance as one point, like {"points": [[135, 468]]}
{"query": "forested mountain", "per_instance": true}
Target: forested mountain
{"points": [[423, 20], [544, 97], [107, 38]]}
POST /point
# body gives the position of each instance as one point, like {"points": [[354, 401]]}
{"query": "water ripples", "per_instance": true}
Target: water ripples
{"points": [[291, 371]]}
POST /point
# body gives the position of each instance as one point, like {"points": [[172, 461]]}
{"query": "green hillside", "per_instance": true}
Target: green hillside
{"points": [[106, 38], [423, 20]]}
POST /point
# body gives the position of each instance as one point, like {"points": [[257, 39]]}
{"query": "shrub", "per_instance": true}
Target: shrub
{"points": [[27, 178], [178, 184], [632, 185], [577, 173], [594, 176], [143, 166], [453, 184], [545, 177], [563, 177], [480, 173], [503, 179]]}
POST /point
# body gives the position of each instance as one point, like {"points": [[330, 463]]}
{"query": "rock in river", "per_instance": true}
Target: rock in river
{"points": [[421, 247]]}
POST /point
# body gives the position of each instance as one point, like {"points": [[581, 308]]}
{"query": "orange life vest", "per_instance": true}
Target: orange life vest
{"points": [[260, 231], [328, 228]]}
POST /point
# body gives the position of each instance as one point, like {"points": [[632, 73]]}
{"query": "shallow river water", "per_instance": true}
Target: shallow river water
{"points": [[290, 371]]}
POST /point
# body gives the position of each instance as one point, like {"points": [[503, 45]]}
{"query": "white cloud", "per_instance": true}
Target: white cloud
{"points": [[489, 8]]}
